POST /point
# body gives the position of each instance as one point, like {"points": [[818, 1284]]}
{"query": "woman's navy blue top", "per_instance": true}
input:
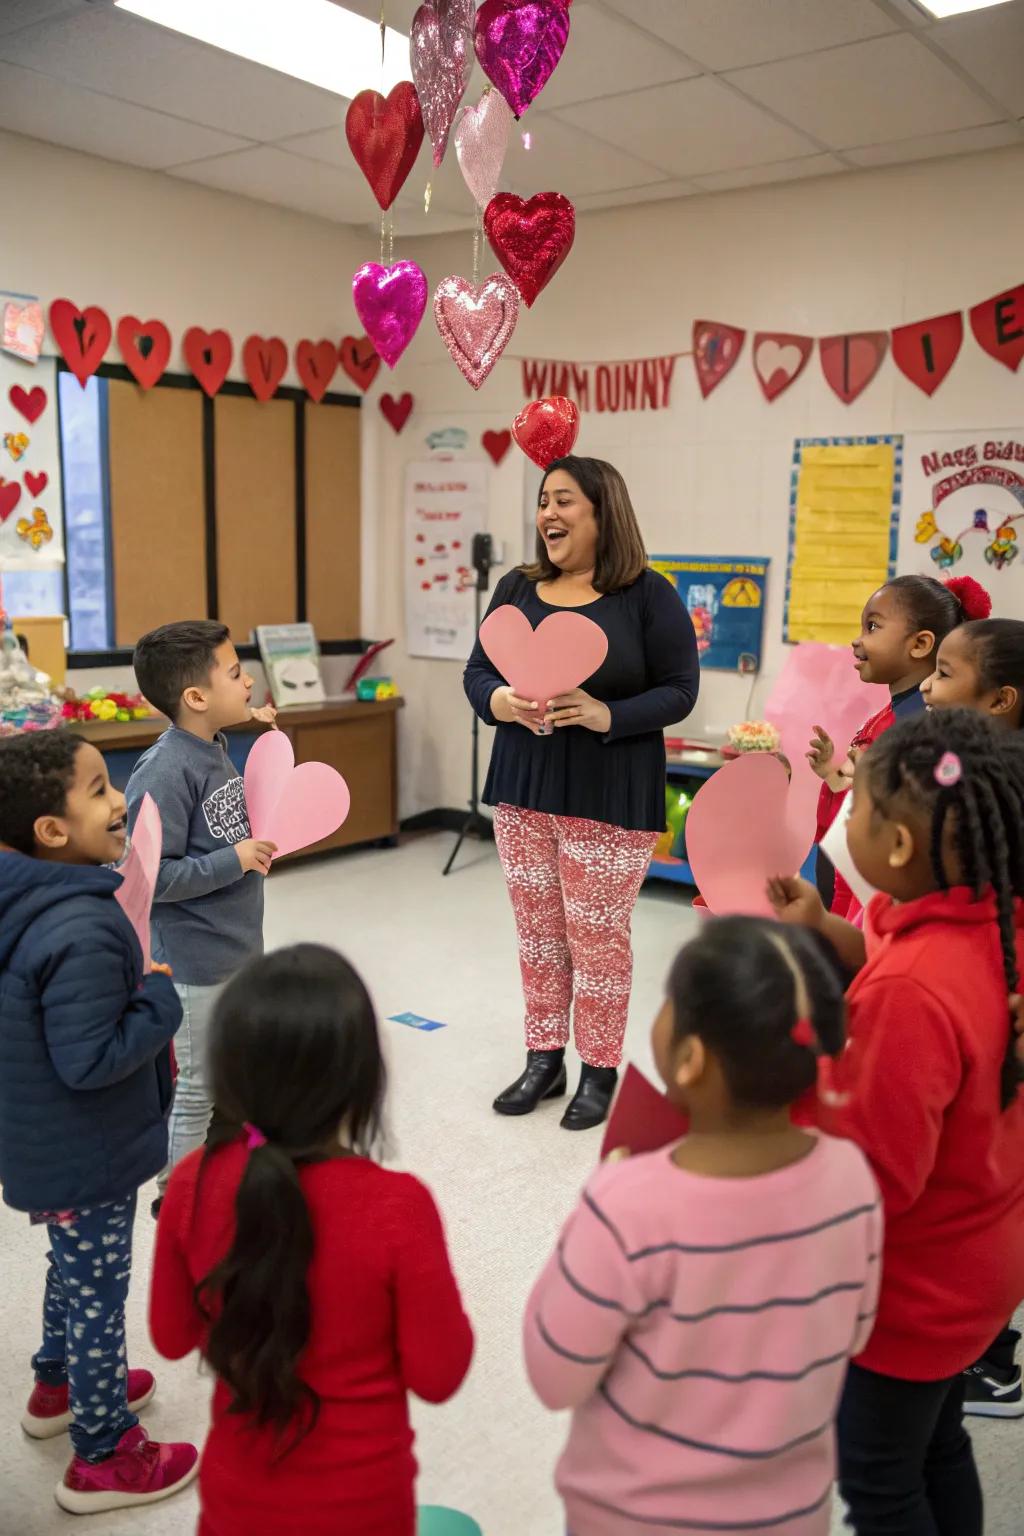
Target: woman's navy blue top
{"points": [[649, 680]]}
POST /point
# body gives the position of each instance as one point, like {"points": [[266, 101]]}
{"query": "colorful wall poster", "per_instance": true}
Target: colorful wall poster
{"points": [[445, 505], [291, 660], [844, 514], [31, 520], [725, 599]]}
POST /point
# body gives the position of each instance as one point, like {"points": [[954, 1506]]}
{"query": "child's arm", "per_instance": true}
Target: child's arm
{"points": [[435, 1339], [175, 1323], [181, 877], [797, 901]]}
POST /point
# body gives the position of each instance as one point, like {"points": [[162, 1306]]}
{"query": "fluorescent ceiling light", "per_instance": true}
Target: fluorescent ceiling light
{"points": [[944, 8], [310, 39]]}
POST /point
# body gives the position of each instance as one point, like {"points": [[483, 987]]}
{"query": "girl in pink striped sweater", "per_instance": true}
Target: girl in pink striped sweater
{"points": [[702, 1303]]}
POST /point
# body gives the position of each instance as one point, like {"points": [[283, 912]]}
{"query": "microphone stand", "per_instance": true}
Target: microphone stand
{"points": [[475, 824]]}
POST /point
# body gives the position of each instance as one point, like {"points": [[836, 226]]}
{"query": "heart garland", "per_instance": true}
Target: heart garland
{"points": [[779, 360], [547, 429], [390, 302], [925, 351], [145, 347], [208, 354], [316, 363], [441, 51], [385, 137], [29, 403], [849, 363], [476, 322], [397, 412], [359, 360], [530, 239], [497, 444], [716, 350], [998, 326], [519, 43], [265, 361], [83, 336]]}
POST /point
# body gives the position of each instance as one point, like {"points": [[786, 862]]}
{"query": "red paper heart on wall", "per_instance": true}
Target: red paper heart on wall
{"points": [[716, 350], [849, 363], [779, 360], [317, 363], [530, 239], [10, 495], [30, 403], [36, 484], [208, 354], [265, 360], [926, 351], [145, 347], [83, 336], [397, 412], [359, 360], [385, 137], [497, 444], [998, 326], [547, 429]]}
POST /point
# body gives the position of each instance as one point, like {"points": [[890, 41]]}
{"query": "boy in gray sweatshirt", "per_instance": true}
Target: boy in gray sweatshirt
{"points": [[208, 904]]}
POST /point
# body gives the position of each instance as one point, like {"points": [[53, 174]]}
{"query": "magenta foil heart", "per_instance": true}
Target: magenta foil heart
{"points": [[441, 53], [518, 43], [481, 141], [390, 302], [476, 321]]}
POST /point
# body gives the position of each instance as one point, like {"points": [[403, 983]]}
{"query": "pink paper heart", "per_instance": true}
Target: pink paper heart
{"points": [[481, 140], [441, 51], [390, 302], [292, 807], [541, 664], [138, 876], [476, 322], [738, 835]]}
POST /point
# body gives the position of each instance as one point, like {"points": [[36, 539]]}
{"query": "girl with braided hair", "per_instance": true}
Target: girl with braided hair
{"points": [[929, 1088]]}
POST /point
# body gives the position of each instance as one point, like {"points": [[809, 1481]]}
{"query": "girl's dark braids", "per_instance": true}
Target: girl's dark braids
{"points": [[988, 806]]}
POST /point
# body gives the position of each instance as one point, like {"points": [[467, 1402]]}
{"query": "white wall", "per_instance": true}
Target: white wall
{"points": [[859, 252]]}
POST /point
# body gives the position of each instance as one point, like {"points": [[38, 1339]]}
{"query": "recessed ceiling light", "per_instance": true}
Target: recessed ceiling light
{"points": [[944, 8], [310, 39]]}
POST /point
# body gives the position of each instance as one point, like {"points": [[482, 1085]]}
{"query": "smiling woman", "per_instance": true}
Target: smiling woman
{"points": [[578, 782]]}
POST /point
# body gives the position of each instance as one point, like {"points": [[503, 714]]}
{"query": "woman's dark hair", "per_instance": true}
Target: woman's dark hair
{"points": [[980, 818], [621, 557], [741, 987], [940, 606], [36, 772], [998, 646], [293, 1052]]}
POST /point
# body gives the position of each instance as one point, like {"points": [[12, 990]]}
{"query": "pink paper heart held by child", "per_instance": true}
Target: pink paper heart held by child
{"points": [[291, 806]]}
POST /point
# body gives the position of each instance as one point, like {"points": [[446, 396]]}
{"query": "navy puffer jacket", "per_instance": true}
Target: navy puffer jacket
{"points": [[85, 1073]]}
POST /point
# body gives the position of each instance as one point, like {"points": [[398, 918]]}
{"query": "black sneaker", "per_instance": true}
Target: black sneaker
{"points": [[154, 1209], [993, 1393]]}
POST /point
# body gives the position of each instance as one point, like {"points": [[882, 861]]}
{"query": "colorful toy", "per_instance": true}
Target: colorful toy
{"points": [[98, 704], [370, 689]]}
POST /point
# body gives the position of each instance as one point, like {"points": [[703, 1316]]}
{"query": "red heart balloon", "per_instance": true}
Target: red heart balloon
{"points": [[317, 363], [265, 360], [849, 363], [547, 429], [530, 239], [359, 360], [31, 403], [145, 347], [208, 354], [497, 444], [36, 484], [10, 495], [998, 326], [385, 137], [397, 412], [926, 351], [83, 336]]}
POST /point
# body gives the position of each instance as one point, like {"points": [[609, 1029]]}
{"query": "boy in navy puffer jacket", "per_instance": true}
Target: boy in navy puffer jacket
{"points": [[85, 1085]]}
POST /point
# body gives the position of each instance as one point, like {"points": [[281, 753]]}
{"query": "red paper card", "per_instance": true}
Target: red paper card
{"points": [[642, 1119]]}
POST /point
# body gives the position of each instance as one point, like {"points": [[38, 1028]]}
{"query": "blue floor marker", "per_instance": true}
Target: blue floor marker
{"points": [[433, 1520], [416, 1021]]}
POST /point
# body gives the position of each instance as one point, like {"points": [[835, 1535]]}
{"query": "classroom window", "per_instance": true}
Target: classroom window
{"points": [[84, 448]]}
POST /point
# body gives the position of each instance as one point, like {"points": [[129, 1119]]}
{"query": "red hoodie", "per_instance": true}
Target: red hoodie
{"points": [[928, 1025]]}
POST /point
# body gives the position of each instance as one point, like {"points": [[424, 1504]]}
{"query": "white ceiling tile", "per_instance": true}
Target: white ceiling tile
{"points": [[448, 190], [560, 159], [889, 88], [113, 52], [271, 176], [763, 175], [399, 13], [966, 141], [727, 34], [98, 125], [15, 14], [693, 128], [990, 45], [605, 56], [656, 192]]}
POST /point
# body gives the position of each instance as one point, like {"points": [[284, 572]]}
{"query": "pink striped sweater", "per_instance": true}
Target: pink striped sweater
{"points": [[700, 1329]]}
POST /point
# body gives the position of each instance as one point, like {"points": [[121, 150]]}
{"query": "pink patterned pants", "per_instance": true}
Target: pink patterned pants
{"points": [[573, 885]]}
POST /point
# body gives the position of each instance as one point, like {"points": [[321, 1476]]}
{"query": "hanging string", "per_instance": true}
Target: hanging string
{"points": [[383, 30], [427, 195], [383, 236], [478, 235]]}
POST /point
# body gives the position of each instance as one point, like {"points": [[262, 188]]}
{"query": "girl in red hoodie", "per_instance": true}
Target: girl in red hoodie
{"points": [[929, 1089]]}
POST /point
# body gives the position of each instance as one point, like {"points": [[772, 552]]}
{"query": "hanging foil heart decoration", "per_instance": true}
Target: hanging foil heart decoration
{"points": [[385, 137], [530, 239], [481, 141], [441, 51], [390, 302], [547, 429], [476, 322], [518, 43]]}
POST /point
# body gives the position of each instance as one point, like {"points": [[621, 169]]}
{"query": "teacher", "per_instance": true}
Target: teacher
{"points": [[578, 784]]}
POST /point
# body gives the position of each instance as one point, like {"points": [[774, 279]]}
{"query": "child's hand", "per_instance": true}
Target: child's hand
{"points": [[796, 901], [617, 1155], [266, 715], [821, 752], [255, 857], [161, 970]]}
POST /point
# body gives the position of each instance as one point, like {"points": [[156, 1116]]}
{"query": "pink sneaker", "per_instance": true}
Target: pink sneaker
{"points": [[49, 1414], [141, 1471]]}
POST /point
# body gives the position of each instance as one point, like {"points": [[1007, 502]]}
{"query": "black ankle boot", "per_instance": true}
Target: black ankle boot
{"points": [[544, 1078], [589, 1104]]}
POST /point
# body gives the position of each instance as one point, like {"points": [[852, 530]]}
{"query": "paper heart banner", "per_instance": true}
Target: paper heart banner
{"points": [[476, 322], [145, 347], [138, 875], [496, 444], [384, 136], [316, 363], [716, 351], [390, 302], [265, 360], [849, 363], [291, 806], [83, 336], [441, 51], [779, 360], [359, 360], [738, 835], [541, 664], [519, 43], [926, 351], [481, 142], [29, 403], [396, 412], [208, 354], [998, 326], [530, 239], [547, 429]]}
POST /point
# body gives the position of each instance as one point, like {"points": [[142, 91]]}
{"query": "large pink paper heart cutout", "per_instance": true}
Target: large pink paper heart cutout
{"points": [[390, 302], [138, 875], [737, 835], [292, 807], [476, 322], [541, 664]]}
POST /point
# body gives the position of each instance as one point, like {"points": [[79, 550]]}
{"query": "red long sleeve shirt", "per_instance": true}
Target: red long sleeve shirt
{"points": [[386, 1320]]}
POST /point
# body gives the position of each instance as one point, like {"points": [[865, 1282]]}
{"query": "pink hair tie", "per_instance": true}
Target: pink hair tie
{"points": [[253, 1137], [948, 771], [803, 1034]]}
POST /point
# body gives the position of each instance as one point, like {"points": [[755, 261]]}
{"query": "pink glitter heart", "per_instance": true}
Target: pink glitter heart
{"points": [[481, 140], [518, 43], [390, 302], [441, 52], [476, 322]]}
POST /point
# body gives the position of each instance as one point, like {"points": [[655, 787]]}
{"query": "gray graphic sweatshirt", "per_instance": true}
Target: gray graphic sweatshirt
{"points": [[207, 916]]}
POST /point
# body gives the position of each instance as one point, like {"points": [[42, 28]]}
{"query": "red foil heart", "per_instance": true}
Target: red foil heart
{"points": [[359, 360], [397, 412], [385, 137], [547, 429], [83, 336], [208, 354], [145, 347], [316, 363], [476, 322], [265, 361], [530, 239], [31, 403]]}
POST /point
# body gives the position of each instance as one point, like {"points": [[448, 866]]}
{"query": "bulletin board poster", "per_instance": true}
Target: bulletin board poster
{"points": [[725, 598], [844, 521], [31, 523], [445, 505]]}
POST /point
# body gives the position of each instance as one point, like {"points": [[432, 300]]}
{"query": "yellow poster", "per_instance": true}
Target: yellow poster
{"points": [[844, 520]]}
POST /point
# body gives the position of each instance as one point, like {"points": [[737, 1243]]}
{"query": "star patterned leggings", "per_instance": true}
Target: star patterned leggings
{"points": [[573, 885], [83, 1322]]}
